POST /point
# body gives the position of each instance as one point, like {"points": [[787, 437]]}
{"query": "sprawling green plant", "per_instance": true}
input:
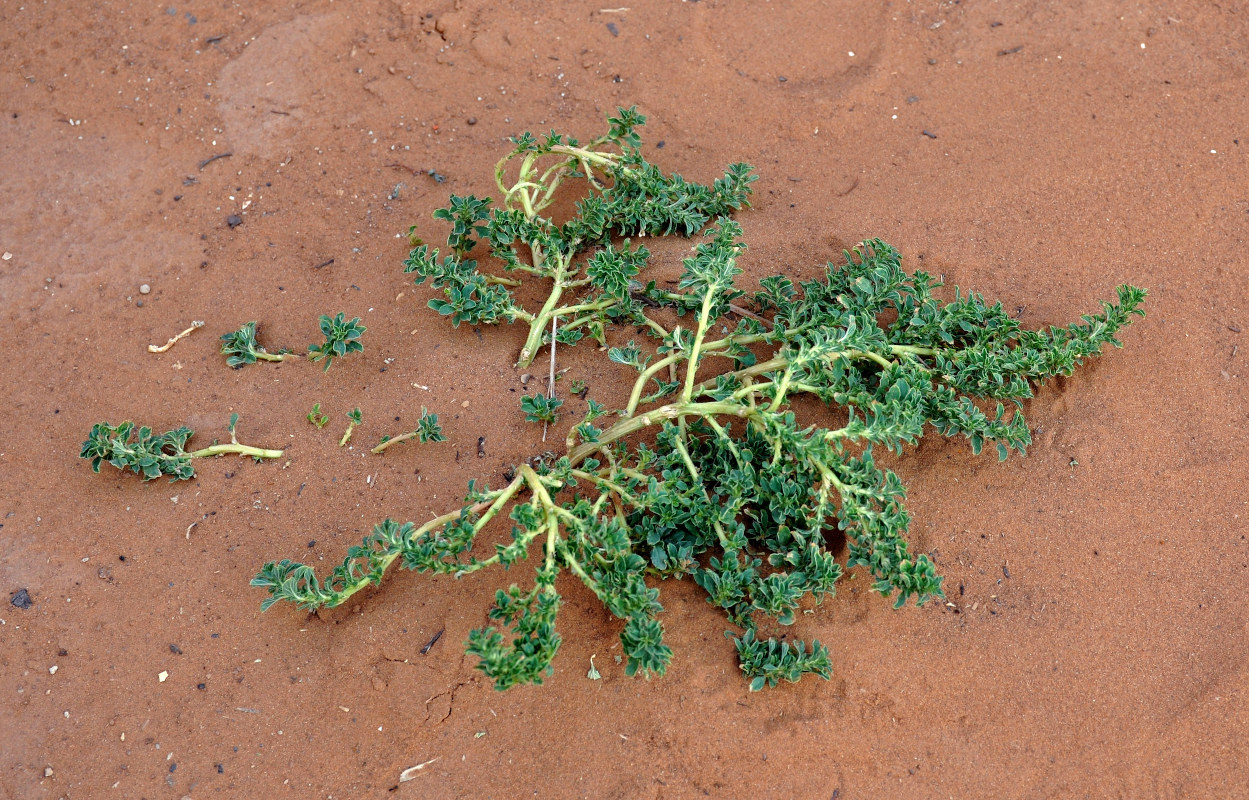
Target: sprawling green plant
{"points": [[154, 454], [706, 470], [342, 337]]}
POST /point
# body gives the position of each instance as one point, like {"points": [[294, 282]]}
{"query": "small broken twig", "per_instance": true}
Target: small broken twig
{"points": [[432, 642], [410, 773], [196, 324], [211, 159]]}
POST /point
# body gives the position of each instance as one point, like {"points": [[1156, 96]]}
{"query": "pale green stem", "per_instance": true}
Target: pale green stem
{"points": [[240, 449], [654, 417], [635, 396], [691, 370]]}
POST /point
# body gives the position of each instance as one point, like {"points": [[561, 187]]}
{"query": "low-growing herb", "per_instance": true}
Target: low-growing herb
{"points": [[151, 455], [354, 418], [707, 469], [316, 417], [241, 348], [427, 430], [342, 337]]}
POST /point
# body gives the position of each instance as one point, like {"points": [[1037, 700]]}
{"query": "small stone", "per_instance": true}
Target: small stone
{"points": [[47, 772], [7, 255], [525, 379], [52, 669], [234, 220], [163, 676], [145, 289], [21, 599], [471, 120]]}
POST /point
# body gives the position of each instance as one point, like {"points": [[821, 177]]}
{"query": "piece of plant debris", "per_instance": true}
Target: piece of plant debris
{"points": [[152, 455], [241, 348], [354, 418], [706, 470], [427, 430], [316, 417], [341, 338]]}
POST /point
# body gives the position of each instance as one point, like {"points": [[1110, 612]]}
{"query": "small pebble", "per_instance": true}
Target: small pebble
{"points": [[472, 120], [234, 220], [145, 289], [47, 772], [52, 669], [7, 255]]}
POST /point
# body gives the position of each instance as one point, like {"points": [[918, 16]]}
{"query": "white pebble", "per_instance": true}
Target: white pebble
{"points": [[145, 289]]}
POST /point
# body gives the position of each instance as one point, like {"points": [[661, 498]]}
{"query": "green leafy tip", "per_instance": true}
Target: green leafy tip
{"points": [[341, 338]]}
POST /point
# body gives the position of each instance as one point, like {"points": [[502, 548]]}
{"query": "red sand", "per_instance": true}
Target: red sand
{"points": [[1072, 148]]}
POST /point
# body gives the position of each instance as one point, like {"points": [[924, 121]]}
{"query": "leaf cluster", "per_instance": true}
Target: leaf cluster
{"points": [[625, 195], [139, 450], [342, 337]]}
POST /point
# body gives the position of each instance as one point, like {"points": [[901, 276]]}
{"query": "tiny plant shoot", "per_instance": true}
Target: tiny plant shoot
{"points": [[341, 338], [152, 455], [427, 430], [705, 470], [354, 418], [316, 417]]}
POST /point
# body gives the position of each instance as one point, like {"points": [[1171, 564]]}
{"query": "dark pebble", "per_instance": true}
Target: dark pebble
{"points": [[138, 304], [912, 99], [782, 78], [21, 599], [234, 220], [471, 120], [611, 27], [201, 686], [173, 648]]}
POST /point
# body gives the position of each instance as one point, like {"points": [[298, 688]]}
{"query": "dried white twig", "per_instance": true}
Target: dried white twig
{"points": [[410, 773], [151, 348]]}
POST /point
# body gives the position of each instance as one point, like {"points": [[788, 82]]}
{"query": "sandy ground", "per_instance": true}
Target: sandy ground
{"points": [[1096, 643]]}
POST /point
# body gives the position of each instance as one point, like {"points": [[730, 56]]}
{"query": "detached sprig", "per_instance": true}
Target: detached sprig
{"points": [[342, 337], [241, 348], [706, 470], [151, 455], [354, 418], [427, 430]]}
